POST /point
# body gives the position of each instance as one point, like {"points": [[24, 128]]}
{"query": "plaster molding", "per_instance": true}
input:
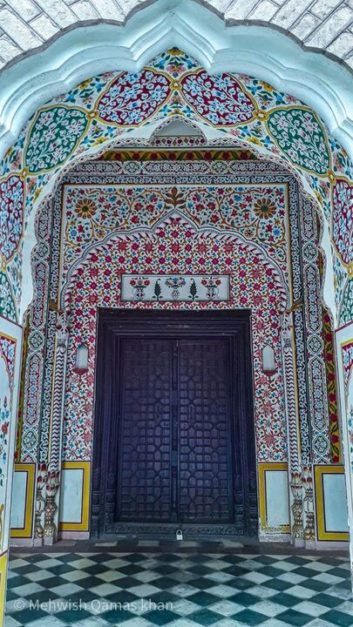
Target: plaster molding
{"points": [[262, 52]]}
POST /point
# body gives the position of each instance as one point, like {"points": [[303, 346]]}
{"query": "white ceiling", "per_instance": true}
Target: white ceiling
{"points": [[322, 24]]}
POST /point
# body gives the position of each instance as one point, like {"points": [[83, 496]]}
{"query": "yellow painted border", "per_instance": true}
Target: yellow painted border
{"points": [[83, 525], [3, 576], [322, 534], [263, 468], [26, 531]]}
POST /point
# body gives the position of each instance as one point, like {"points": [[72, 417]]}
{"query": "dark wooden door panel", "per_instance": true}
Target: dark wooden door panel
{"points": [[205, 451], [145, 430], [174, 436], [174, 441]]}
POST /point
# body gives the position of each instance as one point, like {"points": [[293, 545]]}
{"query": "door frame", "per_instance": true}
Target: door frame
{"points": [[115, 323]]}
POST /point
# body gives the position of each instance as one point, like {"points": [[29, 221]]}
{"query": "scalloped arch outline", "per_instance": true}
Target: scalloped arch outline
{"points": [[146, 233], [269, 55]]}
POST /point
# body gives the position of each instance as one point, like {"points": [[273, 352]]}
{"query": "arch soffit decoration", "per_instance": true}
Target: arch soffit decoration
{"points": [[144, 136], [71, 67], [138, 143]]}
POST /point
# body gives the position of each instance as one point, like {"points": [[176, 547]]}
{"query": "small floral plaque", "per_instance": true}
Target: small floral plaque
{"points": [[175, 287]]}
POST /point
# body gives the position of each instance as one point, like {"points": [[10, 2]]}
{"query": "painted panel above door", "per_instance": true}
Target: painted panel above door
{"points": [[170, 287]]}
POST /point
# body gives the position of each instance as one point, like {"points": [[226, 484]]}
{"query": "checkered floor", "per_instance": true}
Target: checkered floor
{"points": [[183, 590]]}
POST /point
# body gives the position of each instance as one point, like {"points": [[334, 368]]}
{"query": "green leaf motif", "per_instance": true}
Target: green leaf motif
{"points": [[301, 137], [157, 290], [54, 135], [193, 290]]}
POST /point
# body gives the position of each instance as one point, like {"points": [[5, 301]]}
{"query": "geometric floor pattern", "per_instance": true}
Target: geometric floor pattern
{"points": [[180, 590]]}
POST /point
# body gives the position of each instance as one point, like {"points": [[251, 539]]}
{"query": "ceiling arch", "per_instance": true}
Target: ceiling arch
{"points": [[326, 25], [259, 51]]}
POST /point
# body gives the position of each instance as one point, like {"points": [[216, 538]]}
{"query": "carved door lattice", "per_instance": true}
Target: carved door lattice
{"points": [[205, 453], [174, 432], [144, 470], [174, 451]]}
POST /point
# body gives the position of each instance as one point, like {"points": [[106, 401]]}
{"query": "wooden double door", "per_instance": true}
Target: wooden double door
{"points": [[174, 440]]}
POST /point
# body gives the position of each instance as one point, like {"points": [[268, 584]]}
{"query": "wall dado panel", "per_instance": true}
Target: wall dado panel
{"points": [[3, 571], [330, 500], [331, 503], [274, 498], [274, 506], [23, 505], [74, 505], [10, 358]]}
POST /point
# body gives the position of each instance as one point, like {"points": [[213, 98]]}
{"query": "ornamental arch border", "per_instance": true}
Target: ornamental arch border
{"points": [[260, 50], [142, 135], [327, 91], [139, 142], [290, 323]]}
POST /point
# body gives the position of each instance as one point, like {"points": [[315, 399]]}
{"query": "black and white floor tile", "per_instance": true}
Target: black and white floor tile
{"points": [[138, 589]]}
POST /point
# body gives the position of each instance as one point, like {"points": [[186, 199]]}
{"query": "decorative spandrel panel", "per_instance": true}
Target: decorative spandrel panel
{"points": [[257, 212]]}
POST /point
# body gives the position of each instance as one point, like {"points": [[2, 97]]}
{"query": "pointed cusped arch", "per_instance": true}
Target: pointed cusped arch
{"points": [[210, 235], [129, 106], [174, 249]]}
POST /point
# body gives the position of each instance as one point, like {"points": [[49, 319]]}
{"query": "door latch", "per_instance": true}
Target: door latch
{"points": [[179, 534]]}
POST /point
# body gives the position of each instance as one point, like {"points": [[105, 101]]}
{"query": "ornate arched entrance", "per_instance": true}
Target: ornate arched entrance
{"points": [[233, 108], [120, 213]]}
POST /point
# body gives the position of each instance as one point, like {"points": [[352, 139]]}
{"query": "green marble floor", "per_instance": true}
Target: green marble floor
{"points": [[179, 589]]}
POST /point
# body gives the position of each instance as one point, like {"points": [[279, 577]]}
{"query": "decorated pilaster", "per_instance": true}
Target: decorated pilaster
{"points": [[42, 475], [51, 512], [309, 508], [10, 352], [344, 345], [294, 466]]}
